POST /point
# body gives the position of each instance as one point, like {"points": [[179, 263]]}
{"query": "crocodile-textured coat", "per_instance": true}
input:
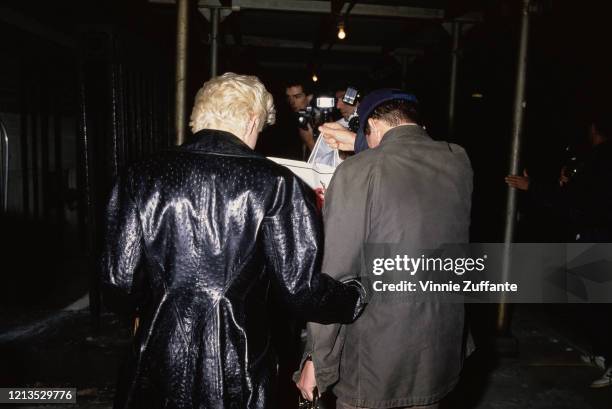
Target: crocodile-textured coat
{"points": [[207, 233]]}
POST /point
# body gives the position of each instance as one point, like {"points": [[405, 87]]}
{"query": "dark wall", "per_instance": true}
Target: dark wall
{"points": [[89, 90]]}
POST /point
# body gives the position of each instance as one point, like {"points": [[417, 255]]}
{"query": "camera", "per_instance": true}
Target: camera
{"points": [[305, 117], [323, 108], [351, 97], [317, 115], [571, 163]]}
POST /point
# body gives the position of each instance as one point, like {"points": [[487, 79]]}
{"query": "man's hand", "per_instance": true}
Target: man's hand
{"points": [[320, 195], [307, 137], [338, 137], [518, 182], [307, 382]]}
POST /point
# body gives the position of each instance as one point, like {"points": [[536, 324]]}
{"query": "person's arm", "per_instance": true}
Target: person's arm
{"points": [[123, 245], [546, 195], [307, 136], [518, 182], [293, 240], [338, 137]]}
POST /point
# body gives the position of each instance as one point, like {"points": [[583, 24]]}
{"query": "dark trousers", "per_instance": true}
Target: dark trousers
{"points": [[342, 405]]}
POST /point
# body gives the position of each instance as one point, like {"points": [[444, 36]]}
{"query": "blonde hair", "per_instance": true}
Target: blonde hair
{"points": [[228, 102]]}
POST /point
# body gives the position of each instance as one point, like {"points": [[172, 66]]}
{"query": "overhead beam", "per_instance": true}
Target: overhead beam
{"points": [[337, 6], [307, 6], [471, 17], [304, 66], [361, 9], [269, 42]]}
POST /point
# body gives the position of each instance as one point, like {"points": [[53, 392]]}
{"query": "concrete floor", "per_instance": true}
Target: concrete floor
{"points": [[547, 372], [53, 350]]}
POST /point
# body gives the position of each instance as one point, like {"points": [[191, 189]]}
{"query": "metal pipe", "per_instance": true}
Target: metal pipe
{"points": [[5, 166], [59, 171], [214, 46], [122, 118], [87, 206], [453, 79], [182, 30], [114, 119], [44, 160], [517, 130], [25, 168], [138, 122], [34, 155]]}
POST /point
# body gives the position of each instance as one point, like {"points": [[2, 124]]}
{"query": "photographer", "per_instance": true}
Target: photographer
{"points": [[338, 135], [346, 109], [299, 95], [584, 196]]}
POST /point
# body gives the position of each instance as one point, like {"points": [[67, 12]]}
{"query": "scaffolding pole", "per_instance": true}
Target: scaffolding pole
{"points": [[182, 30], [517, 130], [214, 42], [453, 79]]}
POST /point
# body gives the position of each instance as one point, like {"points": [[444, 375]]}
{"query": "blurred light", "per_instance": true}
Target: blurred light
{"points": [[477, 95], [315, 78], [341, 32]]}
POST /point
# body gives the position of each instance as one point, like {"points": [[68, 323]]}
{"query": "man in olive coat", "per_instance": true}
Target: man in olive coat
{"points": [[411, 191], [207, 232]]}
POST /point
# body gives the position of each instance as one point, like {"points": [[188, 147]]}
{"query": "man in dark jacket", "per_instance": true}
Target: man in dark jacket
{"points": [[213, 229], [413, 193]]}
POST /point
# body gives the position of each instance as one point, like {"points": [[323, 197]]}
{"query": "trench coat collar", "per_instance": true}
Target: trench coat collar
{"points": [[219, 142], [404, 131]]}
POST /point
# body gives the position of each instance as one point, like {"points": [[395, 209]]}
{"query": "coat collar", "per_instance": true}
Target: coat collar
{"points": [[219, 142], [404, 131]]}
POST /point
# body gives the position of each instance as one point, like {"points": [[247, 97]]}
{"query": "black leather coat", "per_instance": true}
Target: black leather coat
{"points": [[207, 232]]}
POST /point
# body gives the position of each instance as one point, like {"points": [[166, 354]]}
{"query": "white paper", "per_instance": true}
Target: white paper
{"points": [[314, 174]]}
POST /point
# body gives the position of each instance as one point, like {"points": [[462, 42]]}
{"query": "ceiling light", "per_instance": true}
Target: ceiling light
{"points": [[341, 32]]}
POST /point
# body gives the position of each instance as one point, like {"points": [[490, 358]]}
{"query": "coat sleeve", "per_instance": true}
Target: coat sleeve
{"points": [[292, 239], [346, 221], [123, 241]]}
